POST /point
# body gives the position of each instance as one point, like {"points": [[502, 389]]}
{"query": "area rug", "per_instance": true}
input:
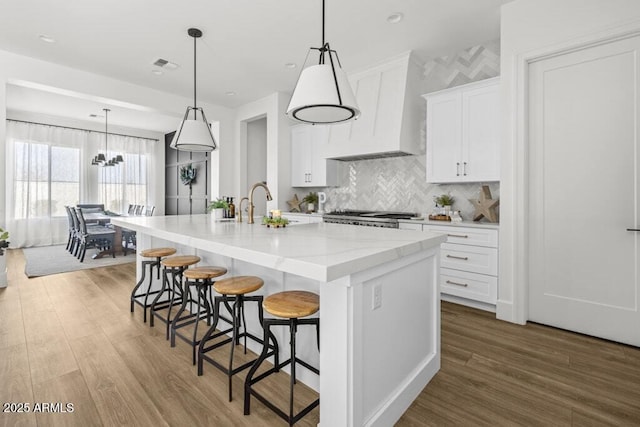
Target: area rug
{"points": [[46, 260]]}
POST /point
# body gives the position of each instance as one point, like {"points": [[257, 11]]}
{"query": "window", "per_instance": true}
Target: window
{"points": [[46, 179], [125, 183]]}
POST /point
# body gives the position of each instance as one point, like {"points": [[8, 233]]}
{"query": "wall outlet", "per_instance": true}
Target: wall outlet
{"points": [[377, 296]]}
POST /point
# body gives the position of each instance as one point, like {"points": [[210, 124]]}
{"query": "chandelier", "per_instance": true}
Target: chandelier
{"points": [[101, 158]]}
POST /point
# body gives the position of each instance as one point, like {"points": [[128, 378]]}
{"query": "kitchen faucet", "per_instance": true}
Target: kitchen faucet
{"points": [[240, 208], [251, 206]]}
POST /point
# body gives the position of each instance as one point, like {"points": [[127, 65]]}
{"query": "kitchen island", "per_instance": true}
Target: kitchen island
{"points": [[379, 302]]}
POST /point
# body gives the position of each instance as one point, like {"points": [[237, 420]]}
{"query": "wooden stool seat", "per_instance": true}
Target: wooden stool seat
{"points": [[238, 285], [157, 252], [292, 304], [180, 261], [197, 273]]}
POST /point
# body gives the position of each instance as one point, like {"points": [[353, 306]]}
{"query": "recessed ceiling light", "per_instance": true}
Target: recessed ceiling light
{"points": [[230, 93], [157, 72], [46, 38], [395, 17], [290, 65]]}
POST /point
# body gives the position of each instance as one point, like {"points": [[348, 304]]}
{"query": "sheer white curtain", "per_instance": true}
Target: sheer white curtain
{"points": [[49, 167], [43, 175], [126, 183]]}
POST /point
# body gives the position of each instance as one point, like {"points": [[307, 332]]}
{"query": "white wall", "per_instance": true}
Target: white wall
{"points": [[530, 29], [257, 158], [272, 108], [16, 69]]}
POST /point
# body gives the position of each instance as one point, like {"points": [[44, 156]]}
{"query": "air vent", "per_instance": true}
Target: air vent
{"points": [[163, 63]]}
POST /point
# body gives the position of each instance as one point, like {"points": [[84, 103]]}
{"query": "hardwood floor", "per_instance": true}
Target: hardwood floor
{"points": [[70, 338]]}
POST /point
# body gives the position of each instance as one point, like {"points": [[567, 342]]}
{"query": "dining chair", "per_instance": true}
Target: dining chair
{"points": [[131, 210], [98, 237], [71, 236], [149, 210], [139, 209]]}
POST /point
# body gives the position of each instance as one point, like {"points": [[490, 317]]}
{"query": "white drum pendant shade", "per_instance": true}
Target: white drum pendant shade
{"points": [[317, 99], [194, 134]]}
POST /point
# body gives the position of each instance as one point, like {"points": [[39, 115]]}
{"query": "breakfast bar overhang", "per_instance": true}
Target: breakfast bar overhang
{"points": [[379, 301]]}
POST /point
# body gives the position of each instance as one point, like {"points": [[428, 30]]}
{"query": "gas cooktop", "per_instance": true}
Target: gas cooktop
{"points": [[367, 218]]}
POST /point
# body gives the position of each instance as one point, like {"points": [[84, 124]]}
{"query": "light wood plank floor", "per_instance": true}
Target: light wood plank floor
{"points": [[70, 338]]}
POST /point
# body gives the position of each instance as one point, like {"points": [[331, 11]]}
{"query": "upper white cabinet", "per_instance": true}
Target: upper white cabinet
{"points": [[389, 123], [463, 133], [309, 167]]}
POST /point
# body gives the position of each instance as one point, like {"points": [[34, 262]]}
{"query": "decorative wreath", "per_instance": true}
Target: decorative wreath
{"points": [[188, 174]]}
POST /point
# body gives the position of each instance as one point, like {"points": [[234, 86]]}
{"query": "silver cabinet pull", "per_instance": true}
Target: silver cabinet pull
{"points": [[464, 168], [633, 229], [457, 168], [464, 285], [462, 236], [464, 258]]}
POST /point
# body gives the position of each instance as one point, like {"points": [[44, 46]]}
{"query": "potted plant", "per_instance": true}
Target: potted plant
{"points": [[218, 207], [311, 200], [445, 201], [4, 235]]}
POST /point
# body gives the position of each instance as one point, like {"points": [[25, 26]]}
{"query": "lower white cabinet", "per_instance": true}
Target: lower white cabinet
{"points": [[468, 263]]}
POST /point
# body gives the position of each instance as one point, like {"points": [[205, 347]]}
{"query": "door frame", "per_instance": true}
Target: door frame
{"points": [[513, 284]]}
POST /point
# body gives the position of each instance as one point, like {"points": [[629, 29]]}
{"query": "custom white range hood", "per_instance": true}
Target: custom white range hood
{"points": [[388, 95]]}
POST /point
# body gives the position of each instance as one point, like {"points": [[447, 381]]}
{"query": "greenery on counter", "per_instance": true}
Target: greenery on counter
{"points": [[275, 222], [218, 204], [444, 199]]}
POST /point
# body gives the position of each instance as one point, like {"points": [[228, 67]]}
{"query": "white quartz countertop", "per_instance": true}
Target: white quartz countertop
{"points": [[323, 252], [471, 224]]}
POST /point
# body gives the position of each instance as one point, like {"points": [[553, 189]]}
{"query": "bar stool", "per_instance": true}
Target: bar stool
{"points": [[290, 306], [200, 278], [174, 266], [156, 253], [234, 289]]}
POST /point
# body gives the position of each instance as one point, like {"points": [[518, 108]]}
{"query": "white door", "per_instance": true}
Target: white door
{"points": [[583, 172]]}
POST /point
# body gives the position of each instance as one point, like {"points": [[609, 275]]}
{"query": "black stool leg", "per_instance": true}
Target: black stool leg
{"points": [[186, 297], [157, 298], [292, 379]]}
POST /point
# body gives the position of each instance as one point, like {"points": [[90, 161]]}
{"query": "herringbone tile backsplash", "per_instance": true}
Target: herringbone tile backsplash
{"points": [[399, 183]]}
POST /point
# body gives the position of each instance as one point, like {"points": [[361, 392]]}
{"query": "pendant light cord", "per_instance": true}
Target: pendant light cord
{"points": [[106, 134], [322, 22], [195, 117]]}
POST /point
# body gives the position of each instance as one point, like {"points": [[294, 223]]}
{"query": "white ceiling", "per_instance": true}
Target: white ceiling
{"points": [[245, 45]]}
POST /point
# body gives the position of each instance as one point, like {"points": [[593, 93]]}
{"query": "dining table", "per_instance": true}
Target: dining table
{"points": [[104, 218]]}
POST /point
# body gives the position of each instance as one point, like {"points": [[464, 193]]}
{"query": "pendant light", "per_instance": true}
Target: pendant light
{"points": [[194, 133], [100, 159], [322, 94]]}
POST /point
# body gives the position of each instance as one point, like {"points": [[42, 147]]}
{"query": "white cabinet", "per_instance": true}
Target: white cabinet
{"points": [[389, 123], [309, 167], [468, 263], [463, 133], [301, 218]]}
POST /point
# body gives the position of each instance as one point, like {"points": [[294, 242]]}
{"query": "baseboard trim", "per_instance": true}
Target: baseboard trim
{"points": [[468, 302]]}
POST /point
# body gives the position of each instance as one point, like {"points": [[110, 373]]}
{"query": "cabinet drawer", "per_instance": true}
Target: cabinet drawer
{"points": [[466, 236], [478, 287], [474, 259]]}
